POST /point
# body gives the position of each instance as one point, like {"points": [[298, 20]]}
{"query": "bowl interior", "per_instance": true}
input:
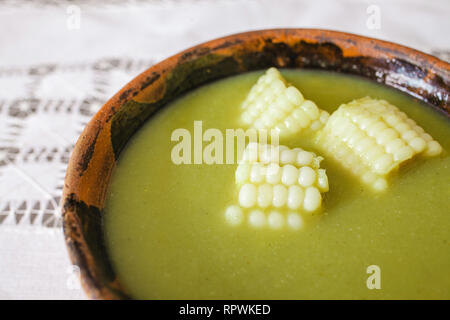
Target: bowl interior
{"points": [[98, 148]]}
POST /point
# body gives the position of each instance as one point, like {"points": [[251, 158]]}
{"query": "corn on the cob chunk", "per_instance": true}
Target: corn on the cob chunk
{"points": [[372, 137], [272, 104], [276, 184]]}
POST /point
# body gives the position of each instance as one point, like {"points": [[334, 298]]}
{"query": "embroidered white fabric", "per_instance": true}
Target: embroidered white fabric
{"points": [[60, 60]]}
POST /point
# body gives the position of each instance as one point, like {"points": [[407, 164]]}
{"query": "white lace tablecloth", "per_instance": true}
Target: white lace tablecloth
{"points": [[60, 60]]}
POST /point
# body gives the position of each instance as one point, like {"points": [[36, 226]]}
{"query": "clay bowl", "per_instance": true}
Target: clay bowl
{"points": [[97, 150]]}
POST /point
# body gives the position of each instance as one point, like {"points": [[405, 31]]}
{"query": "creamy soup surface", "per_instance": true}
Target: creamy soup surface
{"points": [[167, 236]]}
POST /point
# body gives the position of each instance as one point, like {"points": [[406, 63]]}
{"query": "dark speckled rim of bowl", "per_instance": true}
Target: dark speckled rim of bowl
{"points": [[96, 151]]}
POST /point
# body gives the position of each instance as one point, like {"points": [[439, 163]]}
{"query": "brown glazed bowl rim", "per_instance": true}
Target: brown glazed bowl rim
{"points": [[421, 75]]}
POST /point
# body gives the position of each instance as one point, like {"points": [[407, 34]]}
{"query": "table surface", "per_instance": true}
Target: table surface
{"points": [[60, 61]]}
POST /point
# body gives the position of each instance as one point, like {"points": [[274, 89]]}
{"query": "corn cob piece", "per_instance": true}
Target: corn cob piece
{"points": [[272, 104], [372, 137], [276, 185]]}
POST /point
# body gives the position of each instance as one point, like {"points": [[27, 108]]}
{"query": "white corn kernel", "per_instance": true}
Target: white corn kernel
{"points": [[419, 130], [370, 155], [316, 125], [306, 176], [311, 109], [324, 116], [294, 95], [257, 173], [256, 218], [305, 121], [287, 156], [312, 199], [402, 127], [409, 135], [418, 144], [264, 153], [273, 173], [277, 86], [304, 158], [284, 103], [380, 184], [392, 119], [433, 149], [264, 197], [233, 215], [289, 175], [394, 145], [251, 152], [376, 128], [427, 137], [279, 197], [403, 154], [386, 136], [294, 221], [364, 144], [247, 195], [383, 164], [291, 124], [272, 71], [275, 220], [295, 197], [275, 114], [369, 177], [242, 173]]}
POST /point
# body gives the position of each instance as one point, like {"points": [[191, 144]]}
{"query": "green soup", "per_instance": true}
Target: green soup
{"points": [[167, 237]]}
